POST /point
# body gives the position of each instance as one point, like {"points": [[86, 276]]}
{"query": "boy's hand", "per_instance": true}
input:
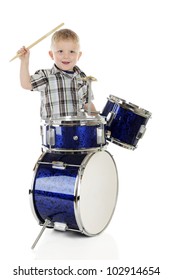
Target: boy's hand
{"points": [[23, 53]]}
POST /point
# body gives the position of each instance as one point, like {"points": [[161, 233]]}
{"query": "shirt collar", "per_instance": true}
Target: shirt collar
{"points": [[77, 71]]}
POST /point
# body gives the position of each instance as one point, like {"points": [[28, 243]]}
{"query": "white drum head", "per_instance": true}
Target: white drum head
{"points": [[97, 192]]}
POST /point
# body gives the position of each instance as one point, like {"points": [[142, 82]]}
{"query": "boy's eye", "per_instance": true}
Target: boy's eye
{"points": [[61, 51]]}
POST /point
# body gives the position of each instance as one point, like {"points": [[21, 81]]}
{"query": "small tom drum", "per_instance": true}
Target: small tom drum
{"points": [[68, 134], [126, 122]]}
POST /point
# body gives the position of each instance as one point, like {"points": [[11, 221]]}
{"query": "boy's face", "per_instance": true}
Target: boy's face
{"points": [[65, 54]]}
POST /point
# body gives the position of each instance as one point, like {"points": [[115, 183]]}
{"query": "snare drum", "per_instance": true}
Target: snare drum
{"points": [[126, 122], [68, 134], [75, 192]]}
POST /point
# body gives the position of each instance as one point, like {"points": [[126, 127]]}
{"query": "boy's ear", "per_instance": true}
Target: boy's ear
{"points": [[51, 54], [80, 53]]}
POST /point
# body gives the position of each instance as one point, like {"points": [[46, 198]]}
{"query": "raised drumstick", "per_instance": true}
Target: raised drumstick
{"points": [[39, 40]]}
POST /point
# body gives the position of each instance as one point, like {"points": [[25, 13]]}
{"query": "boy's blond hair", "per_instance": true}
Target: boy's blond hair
{"points": [[64, 34]]}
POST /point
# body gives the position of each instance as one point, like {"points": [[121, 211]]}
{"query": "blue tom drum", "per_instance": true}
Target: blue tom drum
{"points": [[76, 192], [126, 122], [74, 133]]}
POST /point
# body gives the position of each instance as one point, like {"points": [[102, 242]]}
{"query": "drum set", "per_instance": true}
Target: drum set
{"points": [[75, 184]]}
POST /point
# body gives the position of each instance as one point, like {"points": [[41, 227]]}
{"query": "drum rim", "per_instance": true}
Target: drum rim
{"points": [[72, 151], [78, 120], [121, 144], [130, 106], [77, 194], [114, 98]]}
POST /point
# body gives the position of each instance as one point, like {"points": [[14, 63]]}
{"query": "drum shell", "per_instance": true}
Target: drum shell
{"points": [[53, 189], [73, 137], [125, 124]]}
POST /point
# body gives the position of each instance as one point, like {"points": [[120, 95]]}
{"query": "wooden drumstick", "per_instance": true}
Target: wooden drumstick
{"points": [[39, 40]]}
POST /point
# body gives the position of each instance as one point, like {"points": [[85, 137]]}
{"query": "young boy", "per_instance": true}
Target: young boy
{"points": [[64, 89]]}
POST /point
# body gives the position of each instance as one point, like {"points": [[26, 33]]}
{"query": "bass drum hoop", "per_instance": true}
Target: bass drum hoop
{"points": [[82, 212]]}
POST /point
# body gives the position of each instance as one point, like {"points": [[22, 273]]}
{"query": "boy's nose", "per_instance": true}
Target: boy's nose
{"points": [[65, 54]]}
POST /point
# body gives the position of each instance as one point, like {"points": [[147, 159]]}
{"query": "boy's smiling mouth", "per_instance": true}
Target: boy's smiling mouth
{"points": [[65, 62]]}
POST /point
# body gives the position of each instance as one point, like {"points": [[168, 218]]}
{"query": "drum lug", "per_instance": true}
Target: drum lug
{"points": [[110, 118], [108, 134], [51, 137], [60, 226], [100, 135], [141, 132], [58, 165]]}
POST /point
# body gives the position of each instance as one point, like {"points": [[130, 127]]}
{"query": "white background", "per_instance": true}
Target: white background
{"points": [[127, 45]]}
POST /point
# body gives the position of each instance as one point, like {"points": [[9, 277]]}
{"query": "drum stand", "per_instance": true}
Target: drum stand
{"points": [[89, 79], [57, 226], [46, 223]]}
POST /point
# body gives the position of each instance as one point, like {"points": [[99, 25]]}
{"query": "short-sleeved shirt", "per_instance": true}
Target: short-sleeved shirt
{"points": [[62, 93]]}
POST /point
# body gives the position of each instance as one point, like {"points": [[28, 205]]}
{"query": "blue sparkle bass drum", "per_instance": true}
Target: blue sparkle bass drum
{"points": [[73, 133], [126, 122], [76, 192]]}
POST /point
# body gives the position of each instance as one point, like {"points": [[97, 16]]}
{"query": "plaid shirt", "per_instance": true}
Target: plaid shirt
{"points": [[62, 93]]}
